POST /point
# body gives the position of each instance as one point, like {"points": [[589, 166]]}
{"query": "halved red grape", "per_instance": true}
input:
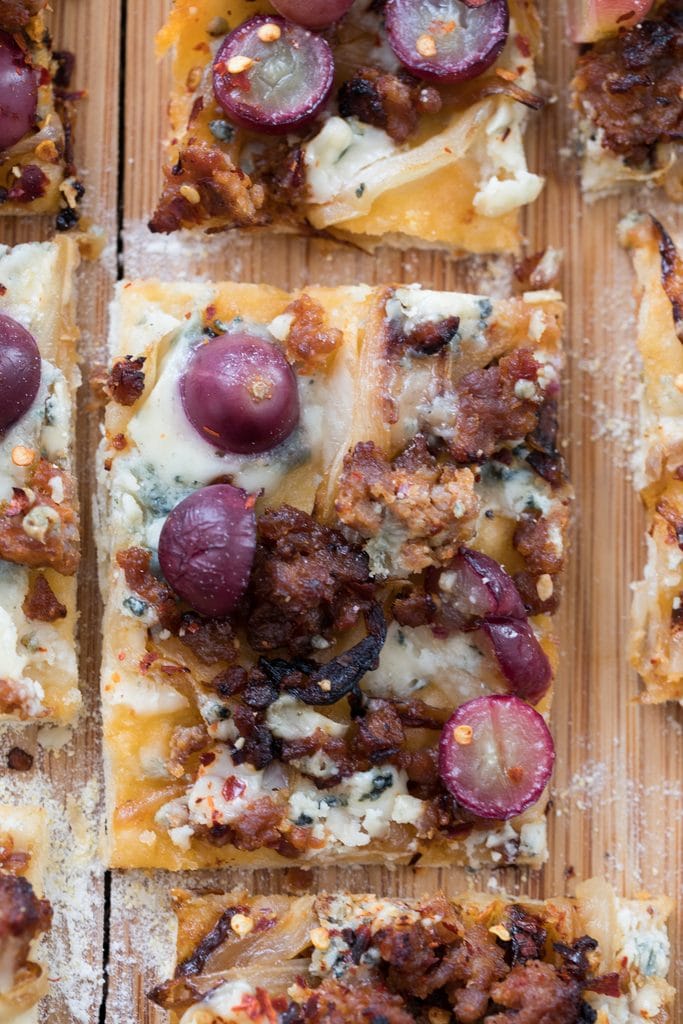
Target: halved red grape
{"points": [[18, 93], [206, 548], [240, 393], [595, 19], [19, 371], [496, 756], [313, 15], [520, 657], [272, 76], [474, 586], [447, 40]]}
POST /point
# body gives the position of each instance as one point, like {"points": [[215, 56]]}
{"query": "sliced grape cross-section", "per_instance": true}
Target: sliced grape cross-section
{"points": [[272, 76], [496, 756], [447, 40], [206, 548], [18, 93], [315, 15], [20, 368]]}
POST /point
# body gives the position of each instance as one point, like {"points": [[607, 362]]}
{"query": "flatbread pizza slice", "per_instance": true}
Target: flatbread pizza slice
{"points": [[628, 95], [39, 532], [657, 625], [595, 957], [333, 529], [24, 914], [37, 171], [369, 129]]}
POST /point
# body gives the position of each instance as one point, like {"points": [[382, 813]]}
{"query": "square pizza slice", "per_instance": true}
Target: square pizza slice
{"points": [[333, 529], [628, 94], [39, 533], [381, 123], [24, 915], [338, 957], [37, 172], [657, 619]]}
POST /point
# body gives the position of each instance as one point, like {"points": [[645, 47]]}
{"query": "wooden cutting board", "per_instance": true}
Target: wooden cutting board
{"points": [[617, 804]]}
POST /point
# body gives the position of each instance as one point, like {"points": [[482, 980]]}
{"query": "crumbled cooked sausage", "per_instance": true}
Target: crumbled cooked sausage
{"points": [[19, 760], [307, 582], [380, 731], [22, 918], [351, 1000], [539, 540], [631, 86], [16, 14], [537, 993], [425, 339], [221, 189], [540, 594], [310, 341], [543, 456], [527, 936], [391, 102], [256, 827], [414, 608], [31, 184], [185, 741], [427, 507], [496, 404], [35, 529], [126, 380], [211, 640], [135, 563], [41, 603]]}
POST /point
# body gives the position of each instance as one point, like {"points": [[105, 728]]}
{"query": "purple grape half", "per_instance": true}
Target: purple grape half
{"points": [[206, 548], [447, 40], [496, 756], [20, 369], [240, 393], [272, 76], [520, 657], [315, 15], [474, 586], [18, 93]]}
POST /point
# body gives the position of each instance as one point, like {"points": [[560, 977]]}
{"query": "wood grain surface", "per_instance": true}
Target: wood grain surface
{"points": [[67, 779], [617, 804]]}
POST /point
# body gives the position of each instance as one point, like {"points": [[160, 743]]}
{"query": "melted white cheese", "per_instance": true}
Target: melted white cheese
{"points": [[223, 1004], [456, 669], [339, 153], [289, 719]]}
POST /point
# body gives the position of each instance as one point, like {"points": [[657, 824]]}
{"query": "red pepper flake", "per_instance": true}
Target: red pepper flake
{"points": [[3, 289], [232, 788], [147, 660], [207, 758], [119, 442], [522, 44], [19, 504]]}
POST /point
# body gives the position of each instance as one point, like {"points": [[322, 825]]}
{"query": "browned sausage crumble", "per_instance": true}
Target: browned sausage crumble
{"points": [[631, 86]]}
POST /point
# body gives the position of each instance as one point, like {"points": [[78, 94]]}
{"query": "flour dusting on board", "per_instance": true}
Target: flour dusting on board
{"points": [[73, 885]]}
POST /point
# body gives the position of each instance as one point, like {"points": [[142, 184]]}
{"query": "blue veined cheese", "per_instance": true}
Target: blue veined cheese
{"points": [[358, 810], [222, 1004], [512, 490], [170, 459], [455, 669], [290, 719], [645, 940], [210, 802], [45, 428], [413, 305], [340, 152]]}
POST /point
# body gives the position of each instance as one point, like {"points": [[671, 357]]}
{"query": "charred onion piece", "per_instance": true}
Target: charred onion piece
{"points": [[672, 274], [343, 673]]}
